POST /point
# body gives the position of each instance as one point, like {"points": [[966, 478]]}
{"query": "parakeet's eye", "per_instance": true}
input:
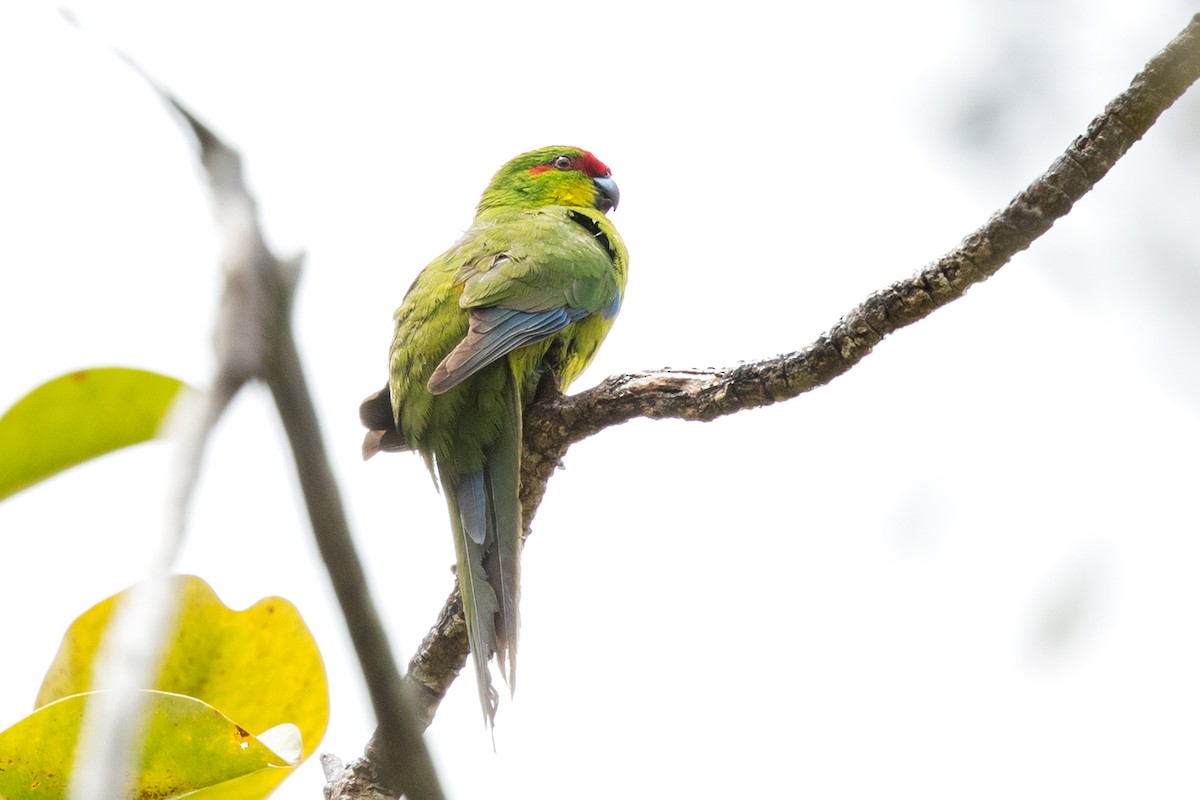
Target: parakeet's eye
{"points": [[564, 162]]}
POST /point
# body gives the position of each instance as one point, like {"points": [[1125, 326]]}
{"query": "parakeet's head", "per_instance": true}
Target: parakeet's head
{"points": [[553, 176]]}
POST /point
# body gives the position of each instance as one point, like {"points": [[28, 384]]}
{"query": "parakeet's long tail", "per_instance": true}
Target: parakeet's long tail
{"points": [[485, 513]]}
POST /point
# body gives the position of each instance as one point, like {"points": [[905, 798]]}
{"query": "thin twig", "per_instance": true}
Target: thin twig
{"points": [[253, 340], [268, 349], [554, 423]]}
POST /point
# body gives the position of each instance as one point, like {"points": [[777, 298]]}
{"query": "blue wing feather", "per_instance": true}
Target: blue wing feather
{"points": [[495, 332], [613, 307]]}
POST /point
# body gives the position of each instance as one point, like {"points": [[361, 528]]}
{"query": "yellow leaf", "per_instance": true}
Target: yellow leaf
{"points": [[260, 667], [79, 416], [189, 746]]}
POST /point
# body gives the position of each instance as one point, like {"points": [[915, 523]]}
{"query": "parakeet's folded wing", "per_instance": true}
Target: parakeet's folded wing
{"points": [[523, 286]]}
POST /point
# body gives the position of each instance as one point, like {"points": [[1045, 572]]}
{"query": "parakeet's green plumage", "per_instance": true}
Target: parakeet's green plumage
{"points": [[531, 288]]}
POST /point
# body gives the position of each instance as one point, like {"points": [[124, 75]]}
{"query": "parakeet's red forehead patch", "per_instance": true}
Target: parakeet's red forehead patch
{"points": [[591, 166], [585, 162]]}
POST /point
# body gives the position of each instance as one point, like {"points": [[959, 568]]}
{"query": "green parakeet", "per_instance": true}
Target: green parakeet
{"points": [[529, 291]]}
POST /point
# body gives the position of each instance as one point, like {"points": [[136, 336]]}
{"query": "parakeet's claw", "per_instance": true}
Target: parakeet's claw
{"points": [[547, 388]]}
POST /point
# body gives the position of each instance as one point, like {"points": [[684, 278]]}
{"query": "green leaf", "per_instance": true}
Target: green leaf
{"points": [[189, 746], [79, 416], [259, 667]]}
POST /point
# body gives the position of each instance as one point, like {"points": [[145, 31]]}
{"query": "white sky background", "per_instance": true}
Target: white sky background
{"points": [[966, 568]]}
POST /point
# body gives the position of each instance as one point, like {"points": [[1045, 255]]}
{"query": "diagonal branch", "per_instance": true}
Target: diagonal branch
{"points": [[256, 323], [254, 341], [554, 423]]}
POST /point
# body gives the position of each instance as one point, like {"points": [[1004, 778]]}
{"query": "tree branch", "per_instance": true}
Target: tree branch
{"points": [[254, 341], [554, 423], [400, 759]]}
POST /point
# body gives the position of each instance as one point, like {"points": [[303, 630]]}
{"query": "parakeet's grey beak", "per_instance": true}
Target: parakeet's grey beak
{"points": [[609, 194]]}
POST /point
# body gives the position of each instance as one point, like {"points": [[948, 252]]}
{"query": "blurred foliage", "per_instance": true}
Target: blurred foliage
{"points": [[225, 674], [78, 416]]}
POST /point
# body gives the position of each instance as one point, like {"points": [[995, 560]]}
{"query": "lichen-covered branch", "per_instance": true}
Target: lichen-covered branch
{"points": [[554, 423]]}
